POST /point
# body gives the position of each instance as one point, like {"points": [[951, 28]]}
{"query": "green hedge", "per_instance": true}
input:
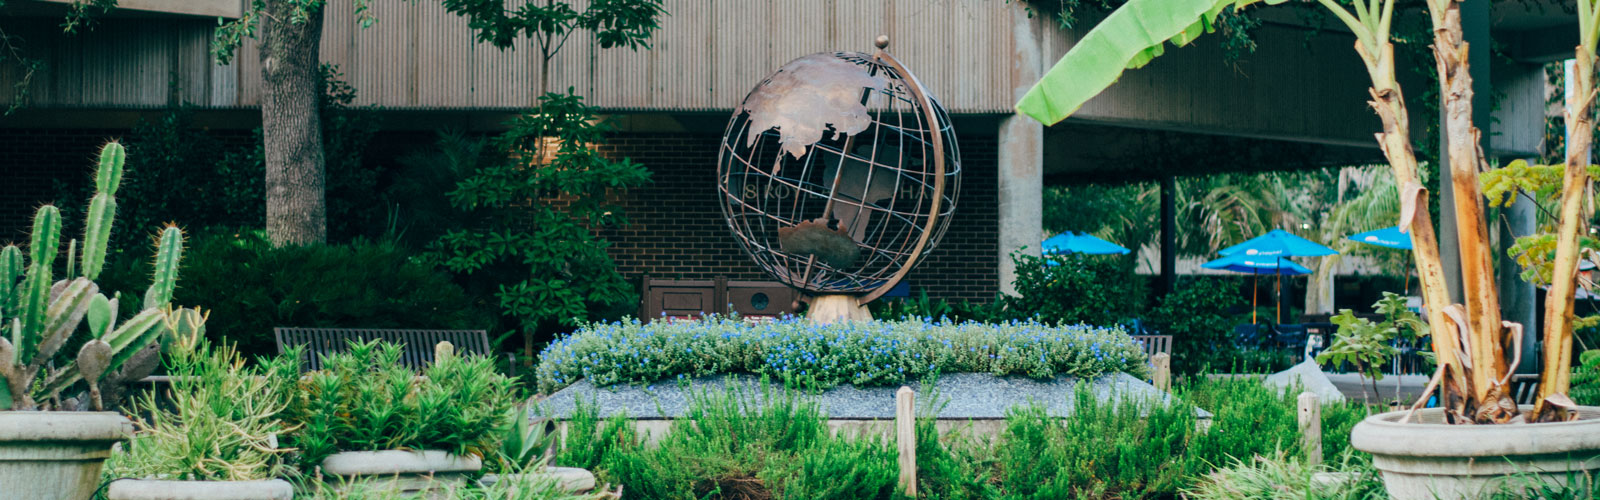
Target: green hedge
{"points": [[777, 446], [862, 353], [250, 287]]}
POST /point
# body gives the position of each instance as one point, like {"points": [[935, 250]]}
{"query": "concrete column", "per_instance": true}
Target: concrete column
{"points": [[1021, 165], [1169, 236], [1517, 300]]}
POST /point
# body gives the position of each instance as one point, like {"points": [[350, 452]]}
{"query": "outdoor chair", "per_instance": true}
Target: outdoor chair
{"points": [[1525, 388], [417, 345], [1250, 336], [1291, 338]]}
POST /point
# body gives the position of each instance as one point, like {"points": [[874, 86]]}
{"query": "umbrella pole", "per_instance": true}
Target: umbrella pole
{"points": [[1280, 298], [1252, 298]]}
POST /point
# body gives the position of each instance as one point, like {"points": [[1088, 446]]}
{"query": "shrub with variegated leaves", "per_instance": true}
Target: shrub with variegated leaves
{"points": [[861, 353]]}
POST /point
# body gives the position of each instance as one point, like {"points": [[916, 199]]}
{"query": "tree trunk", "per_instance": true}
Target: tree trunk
{"points": [[1558, 303], [291, 128], [1466, 155], [1395, 142]]}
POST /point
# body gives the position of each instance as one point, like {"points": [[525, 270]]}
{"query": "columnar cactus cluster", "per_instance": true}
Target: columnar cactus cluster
{"points": [[41, 313]]}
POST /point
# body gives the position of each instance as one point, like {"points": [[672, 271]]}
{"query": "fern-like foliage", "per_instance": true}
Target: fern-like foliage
{"points": [[1586, 379]]}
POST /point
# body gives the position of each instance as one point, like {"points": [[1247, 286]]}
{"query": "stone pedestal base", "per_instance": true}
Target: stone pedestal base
{"points": [[828, 309]]}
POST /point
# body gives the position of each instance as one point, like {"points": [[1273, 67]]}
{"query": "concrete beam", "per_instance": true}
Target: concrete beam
{"points": [[230, 9]]}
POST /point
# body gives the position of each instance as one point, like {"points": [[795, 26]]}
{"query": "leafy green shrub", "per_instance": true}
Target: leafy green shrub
{"points": [[1586, 379], [256, 287], [1281, 477], [523, 445], [843, 469], [529, 214], [1128, 448], [1250, 418], [1367, 345], [860, 353], [1072, 289], [1132, 448], [921, 308], [183, 173], [515, 487], [1198, 314], [736, 445], [366, 400], [218, 422]]}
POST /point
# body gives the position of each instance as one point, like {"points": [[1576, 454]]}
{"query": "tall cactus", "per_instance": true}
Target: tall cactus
{"points": [[165, 277], [102, 209], [11, 268], [42, 249], [41, 314]]}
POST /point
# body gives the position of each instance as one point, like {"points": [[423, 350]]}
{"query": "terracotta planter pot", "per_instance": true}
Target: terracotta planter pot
{"points": [[56, 455], [158, 489], [425, 471], [1427, 459]]}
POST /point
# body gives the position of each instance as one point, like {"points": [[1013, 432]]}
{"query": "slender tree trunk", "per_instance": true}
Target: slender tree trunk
{"points": [[1466, 155], [291, 128], [1395, 141], [1558, 304]]}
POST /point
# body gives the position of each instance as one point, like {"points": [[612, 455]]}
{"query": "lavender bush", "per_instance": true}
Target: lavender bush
{"points": [[863, 354]]}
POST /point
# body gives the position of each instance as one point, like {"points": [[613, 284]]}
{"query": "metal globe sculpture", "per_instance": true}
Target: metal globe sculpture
{"points": [[838, 173]]}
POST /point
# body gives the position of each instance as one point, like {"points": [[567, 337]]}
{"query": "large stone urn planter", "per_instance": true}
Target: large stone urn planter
{"points": [[56, 455], [1427, 459], [160, 489], [423, 471]]}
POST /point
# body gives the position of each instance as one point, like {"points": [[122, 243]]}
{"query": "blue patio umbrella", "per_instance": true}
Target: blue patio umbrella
{"points": [[1255, 266], [1241, 263], [1389, 237], [1084, 243], [1279, 243]]}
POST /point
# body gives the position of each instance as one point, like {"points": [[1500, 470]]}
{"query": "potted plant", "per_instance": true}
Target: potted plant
{"points": [[1476, 435], [366, 416], [524, 456], [48, 451], [215, 435]]}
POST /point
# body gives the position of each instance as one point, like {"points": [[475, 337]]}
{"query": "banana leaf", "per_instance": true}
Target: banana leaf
{"points": [[1128, 38]]}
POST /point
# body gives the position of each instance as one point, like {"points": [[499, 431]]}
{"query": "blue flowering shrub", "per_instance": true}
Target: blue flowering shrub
{"points": [[822, 356]]}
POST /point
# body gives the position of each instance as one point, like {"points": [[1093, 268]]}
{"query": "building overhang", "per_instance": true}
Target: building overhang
{"points": [[227, 9]]}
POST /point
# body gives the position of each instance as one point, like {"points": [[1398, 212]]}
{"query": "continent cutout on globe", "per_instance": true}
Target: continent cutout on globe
{"points": [[807, 95]]}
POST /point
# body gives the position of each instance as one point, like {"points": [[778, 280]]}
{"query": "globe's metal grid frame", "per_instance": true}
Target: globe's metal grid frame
{"points": [[900, 232]]}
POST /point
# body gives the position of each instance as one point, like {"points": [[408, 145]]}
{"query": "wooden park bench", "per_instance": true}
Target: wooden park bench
{"points": [[1155, 344], [417, 345]]}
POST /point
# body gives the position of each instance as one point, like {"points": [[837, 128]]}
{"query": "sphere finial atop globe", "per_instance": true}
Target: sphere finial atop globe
{"points": [[882, 42], [838, 173]]}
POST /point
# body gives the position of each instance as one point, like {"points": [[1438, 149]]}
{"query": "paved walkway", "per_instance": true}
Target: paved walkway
{"points": [[1351, 386]]}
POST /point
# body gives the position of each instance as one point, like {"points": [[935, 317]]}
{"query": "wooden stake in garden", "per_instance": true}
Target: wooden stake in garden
{"points": [[905, 428], [1162, 377], [1311, 427]]}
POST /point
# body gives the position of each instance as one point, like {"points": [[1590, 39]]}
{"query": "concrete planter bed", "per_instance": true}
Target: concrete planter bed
{"points": [[1427, 459], [56, 455], [425, 471], [160, 489], [979, 410], [568, 479]]}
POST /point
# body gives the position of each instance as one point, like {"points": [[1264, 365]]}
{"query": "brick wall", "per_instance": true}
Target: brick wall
{"points": [[678, 232], [677, 229], [37, 165], [33, 163]]}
